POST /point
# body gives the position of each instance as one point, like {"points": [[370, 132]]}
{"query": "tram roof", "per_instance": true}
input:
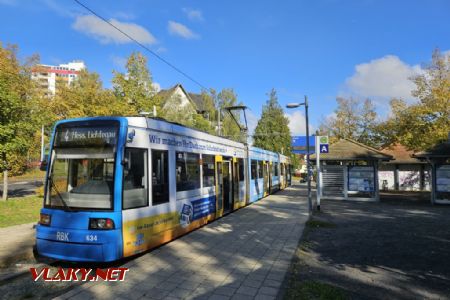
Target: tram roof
{"points": [[163, 125]]}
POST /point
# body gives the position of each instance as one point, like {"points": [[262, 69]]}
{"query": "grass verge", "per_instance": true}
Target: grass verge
{"points": [[314, 223], [31, 174], [312, 289], [22, 210]]}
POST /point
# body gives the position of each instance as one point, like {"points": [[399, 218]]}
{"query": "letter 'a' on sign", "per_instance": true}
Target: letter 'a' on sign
{"points": [[324, 148]]}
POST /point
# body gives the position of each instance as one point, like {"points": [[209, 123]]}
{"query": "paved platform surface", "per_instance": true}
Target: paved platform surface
{"points": [[16, 243], [244, 255]]}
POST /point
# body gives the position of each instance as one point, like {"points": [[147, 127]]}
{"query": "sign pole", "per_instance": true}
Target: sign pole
{"points": [[319, 177]]}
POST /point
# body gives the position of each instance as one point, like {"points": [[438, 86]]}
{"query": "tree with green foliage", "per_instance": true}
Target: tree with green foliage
{"points": [[424, 124], [228, 127], [135, 87], [175, 111], [272, 131], [85, 97], [353, 119], [17, 104]]}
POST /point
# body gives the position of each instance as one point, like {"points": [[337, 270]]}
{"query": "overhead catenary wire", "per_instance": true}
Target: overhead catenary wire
{"points": [[143, 46]]}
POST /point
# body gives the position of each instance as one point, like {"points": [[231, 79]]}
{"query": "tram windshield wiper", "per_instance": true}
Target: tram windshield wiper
{"points": [[67, 207]]}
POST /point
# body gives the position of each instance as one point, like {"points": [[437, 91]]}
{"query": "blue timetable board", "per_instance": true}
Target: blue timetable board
{"points": [[299, 144]]}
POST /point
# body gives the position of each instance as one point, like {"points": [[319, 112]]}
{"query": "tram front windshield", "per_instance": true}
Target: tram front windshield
{"points": [[81, 177]]}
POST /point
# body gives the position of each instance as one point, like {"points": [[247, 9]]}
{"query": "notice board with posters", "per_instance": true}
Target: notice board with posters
{"points": [[361, 178], [443, 178]]}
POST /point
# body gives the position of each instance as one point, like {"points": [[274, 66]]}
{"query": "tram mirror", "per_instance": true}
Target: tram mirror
{"points": [[126, 163], [43, 165]]}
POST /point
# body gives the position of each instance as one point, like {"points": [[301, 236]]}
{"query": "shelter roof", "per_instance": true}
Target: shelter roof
{"points": [[401, 154], [439, 151], [347, 149]]}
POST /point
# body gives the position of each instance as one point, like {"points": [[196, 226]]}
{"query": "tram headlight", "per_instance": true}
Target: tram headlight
{"points": [[101, 223], [45, 219]]}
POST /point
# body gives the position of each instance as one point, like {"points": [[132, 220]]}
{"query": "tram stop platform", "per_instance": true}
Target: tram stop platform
{"points": [[244, 255]]}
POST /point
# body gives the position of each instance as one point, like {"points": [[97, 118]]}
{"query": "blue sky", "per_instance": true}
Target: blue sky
{"points": [[322, 49]]}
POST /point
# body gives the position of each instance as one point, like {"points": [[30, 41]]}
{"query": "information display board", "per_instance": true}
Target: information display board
{"points": [[443, 178], [361, 178], [98, 135]]}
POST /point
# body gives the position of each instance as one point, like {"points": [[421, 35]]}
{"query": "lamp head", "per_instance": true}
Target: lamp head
{"points": [[293, 105]]}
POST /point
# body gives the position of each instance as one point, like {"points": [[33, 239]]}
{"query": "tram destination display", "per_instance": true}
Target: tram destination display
{"points": [[82, 136]]}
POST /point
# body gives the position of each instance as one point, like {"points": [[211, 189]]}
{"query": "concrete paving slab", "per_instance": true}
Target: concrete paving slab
{"points": [[244, 255]]}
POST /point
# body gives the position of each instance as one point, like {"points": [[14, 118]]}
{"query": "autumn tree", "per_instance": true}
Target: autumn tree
{"points": [[135, 86], [85, 97], [229, 128], [353, 119], [17, 104], [272, 131], [424, 124]]}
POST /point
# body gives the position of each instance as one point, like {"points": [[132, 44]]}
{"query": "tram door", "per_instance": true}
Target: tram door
{"points": [[270, 169], [235, 183], [266, 178], [227, 187], [219, 188]]}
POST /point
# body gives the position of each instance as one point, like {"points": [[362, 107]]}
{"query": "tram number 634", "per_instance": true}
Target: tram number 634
{"points": [[91, 237]]}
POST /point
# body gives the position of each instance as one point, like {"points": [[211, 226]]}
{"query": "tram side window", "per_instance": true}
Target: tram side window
{"points": [[135, 178], [208, 170], [275, 169], [260, 169], [241, 169], [188, 171], [254, 169], [160, 177]]}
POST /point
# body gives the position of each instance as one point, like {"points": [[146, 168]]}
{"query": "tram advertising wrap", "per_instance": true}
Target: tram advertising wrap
{"points": [[118, 186]]}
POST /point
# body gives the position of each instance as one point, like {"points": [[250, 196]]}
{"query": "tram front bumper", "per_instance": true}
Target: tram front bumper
{"points": [[79, 245]]}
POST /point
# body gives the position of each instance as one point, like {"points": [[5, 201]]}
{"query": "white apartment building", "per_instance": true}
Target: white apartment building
{"points": [[48, 75]]}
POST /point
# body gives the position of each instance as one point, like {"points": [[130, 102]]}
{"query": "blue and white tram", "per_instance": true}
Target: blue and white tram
{"points": [[117, 186]]}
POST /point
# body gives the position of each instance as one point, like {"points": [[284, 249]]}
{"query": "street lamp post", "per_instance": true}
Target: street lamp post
{"points": [[296, 105]]}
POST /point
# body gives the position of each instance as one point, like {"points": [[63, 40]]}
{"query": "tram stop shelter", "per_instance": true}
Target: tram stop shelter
{"points": [[350, 171], [439, 158], [405, 172]]}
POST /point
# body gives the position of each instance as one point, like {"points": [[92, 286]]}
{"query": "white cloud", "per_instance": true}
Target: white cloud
{"points": [[193, 14], [252, 121], [8, 2], [156, 86], [124, 15], [106, 34], [382, 79], [297, 123], [161, 50], [60, 9], [181, 30], [119, 61]]}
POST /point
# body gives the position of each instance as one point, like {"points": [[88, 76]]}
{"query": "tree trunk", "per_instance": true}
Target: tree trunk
{"points": [[5, 178], [5, 185]]}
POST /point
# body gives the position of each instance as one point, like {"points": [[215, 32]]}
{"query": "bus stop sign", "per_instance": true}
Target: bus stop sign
{"points": [[323, 148]]}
